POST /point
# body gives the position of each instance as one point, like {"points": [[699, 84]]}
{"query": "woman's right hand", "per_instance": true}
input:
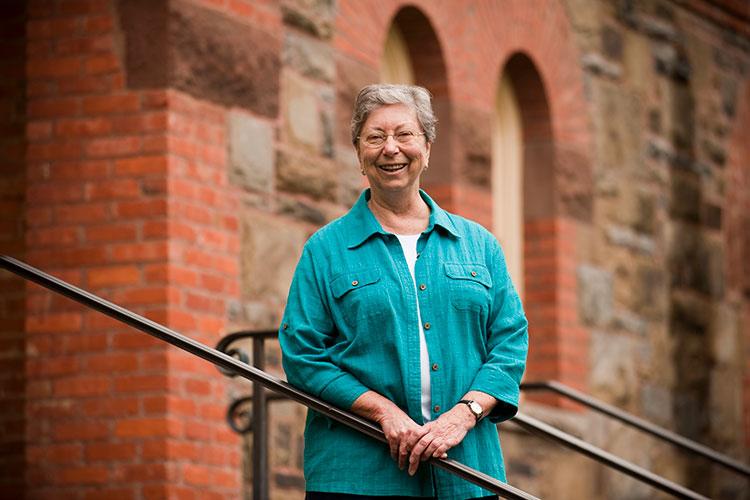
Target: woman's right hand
{"points": [[400, 430], [402, 433]]}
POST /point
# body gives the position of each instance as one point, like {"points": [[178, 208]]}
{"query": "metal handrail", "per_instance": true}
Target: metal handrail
{"points": [[638, 423], [526, 422], [246, 371], [545, 430]]}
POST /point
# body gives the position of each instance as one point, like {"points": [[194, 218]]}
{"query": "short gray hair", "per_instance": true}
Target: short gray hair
{"points": [[374, 96]]}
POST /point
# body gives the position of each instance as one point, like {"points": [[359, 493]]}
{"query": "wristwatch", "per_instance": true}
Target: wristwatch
{"points": [[474, 407]]}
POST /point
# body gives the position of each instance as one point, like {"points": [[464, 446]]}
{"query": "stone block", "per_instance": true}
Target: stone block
{"points": [[309, 57], [696, 262], [627, 238], [304, 175], [313, 16], [300, 210], [612, 43], [217, 58], [594, 295], [269, 253], [656, 403], [613, 375], [251, 152], [302, 112]]}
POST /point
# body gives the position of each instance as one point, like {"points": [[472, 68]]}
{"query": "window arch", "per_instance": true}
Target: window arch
{"points": [[396, 66]]}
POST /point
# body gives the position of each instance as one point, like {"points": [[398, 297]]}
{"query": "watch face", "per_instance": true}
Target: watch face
{"points": [[476, 408]]}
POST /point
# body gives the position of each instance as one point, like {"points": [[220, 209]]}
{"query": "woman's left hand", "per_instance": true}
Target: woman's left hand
{"points": [[443, 434]]}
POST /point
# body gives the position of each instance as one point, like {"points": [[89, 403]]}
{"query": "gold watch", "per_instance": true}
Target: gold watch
{"points": [[474, 407]]}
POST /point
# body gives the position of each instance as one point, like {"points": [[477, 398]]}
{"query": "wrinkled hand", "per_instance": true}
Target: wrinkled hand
{"points": [[441, 435], [402, 433]]}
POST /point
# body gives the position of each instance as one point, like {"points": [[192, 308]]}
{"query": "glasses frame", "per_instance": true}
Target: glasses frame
{"points": [[386, 136]]}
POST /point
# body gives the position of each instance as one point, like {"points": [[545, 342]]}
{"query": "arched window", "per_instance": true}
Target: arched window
{"points": [[507, 178], [396, 66]]}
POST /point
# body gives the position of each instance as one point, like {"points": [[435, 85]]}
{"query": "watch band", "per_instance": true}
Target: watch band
{"points": [[474, 407]]}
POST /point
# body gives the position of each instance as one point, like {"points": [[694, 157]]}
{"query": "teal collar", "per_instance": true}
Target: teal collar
{"points": [[361, 224]]}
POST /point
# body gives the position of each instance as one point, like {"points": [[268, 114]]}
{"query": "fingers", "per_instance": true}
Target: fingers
{"points": [[420, 453]]}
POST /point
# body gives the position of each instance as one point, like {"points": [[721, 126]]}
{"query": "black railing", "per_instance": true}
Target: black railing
{"points": [[258, 420], [638, 423], [245, 370]]}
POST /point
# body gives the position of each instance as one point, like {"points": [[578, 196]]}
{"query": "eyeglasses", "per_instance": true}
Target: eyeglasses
{"points": [[403, 138]]}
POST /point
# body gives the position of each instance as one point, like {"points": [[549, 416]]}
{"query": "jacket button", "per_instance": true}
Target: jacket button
{"points": [[422, 286], [436, 408], [286, 326], [355, 283], [427, 326], [435, 367], [474, 274]]}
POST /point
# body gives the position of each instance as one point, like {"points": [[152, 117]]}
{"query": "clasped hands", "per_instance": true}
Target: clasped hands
{"points": [[411, 443]]}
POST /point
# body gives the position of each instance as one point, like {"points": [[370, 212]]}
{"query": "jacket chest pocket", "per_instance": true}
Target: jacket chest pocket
{"points": [[469, 286], [359, 296]]}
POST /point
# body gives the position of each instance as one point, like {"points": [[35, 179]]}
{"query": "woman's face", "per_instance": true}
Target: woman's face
{"points": [[393, 166]]}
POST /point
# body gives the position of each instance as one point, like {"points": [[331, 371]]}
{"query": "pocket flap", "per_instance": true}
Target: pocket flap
{"points": [[471, 272], [353, 280]]}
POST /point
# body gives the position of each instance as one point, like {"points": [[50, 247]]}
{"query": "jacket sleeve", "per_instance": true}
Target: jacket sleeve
{"points": [[306, 334], [507, 341]]}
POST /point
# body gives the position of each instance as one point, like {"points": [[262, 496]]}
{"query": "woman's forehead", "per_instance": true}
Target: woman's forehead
{"points": [[391, 115]]}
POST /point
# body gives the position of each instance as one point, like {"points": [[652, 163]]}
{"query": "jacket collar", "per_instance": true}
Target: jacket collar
{"points": [[361, 224]]}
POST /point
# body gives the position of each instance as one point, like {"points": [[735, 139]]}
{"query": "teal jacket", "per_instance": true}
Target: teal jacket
{"points": [[350, 325]]}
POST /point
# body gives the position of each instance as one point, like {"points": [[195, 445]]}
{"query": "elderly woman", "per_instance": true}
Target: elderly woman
{"points": [[404, 314]]}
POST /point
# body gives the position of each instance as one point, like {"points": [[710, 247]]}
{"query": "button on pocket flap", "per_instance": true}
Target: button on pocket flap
{"points": [[472, 272], [351, 281]]}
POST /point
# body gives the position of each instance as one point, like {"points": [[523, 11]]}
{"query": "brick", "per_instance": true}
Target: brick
{"points": [[116, 407], [109, 147], [139, 252], [53, 108], [142, 165], [101, 64], [55, 453], [51, 28], [142, 123], [119, 493], [140, 384], [81, 475], [52, 367], [84, 45], [110, 452], [147, 427], [111, 104], [93, 342], [51, 151], [114, 189], [79, 430], [82, 214], [81, 387], [113, 276], [111, 363], [98, 24], [86, 85], [54, 237], [83, 127], [54, 323], [135, 340], [53, 68], [37, 130], [141, 208]]}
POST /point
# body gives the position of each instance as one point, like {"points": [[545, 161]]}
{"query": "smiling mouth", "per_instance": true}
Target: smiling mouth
{"points": [[395, 167]]}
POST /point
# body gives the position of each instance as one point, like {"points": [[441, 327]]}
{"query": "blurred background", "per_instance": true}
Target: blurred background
{"points": [[173, 156]]}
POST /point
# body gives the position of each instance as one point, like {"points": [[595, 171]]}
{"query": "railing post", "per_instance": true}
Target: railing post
{"points": [[260, 426]]}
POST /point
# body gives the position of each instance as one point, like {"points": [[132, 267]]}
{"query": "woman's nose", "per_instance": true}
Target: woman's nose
{"points": [[391, 146]]}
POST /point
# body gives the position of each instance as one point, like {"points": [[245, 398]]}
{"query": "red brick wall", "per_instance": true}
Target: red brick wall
{"points": [[117, 204], [12, 178]]}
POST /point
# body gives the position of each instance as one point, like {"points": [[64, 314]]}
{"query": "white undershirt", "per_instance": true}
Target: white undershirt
{"points": [[409, 246]]}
